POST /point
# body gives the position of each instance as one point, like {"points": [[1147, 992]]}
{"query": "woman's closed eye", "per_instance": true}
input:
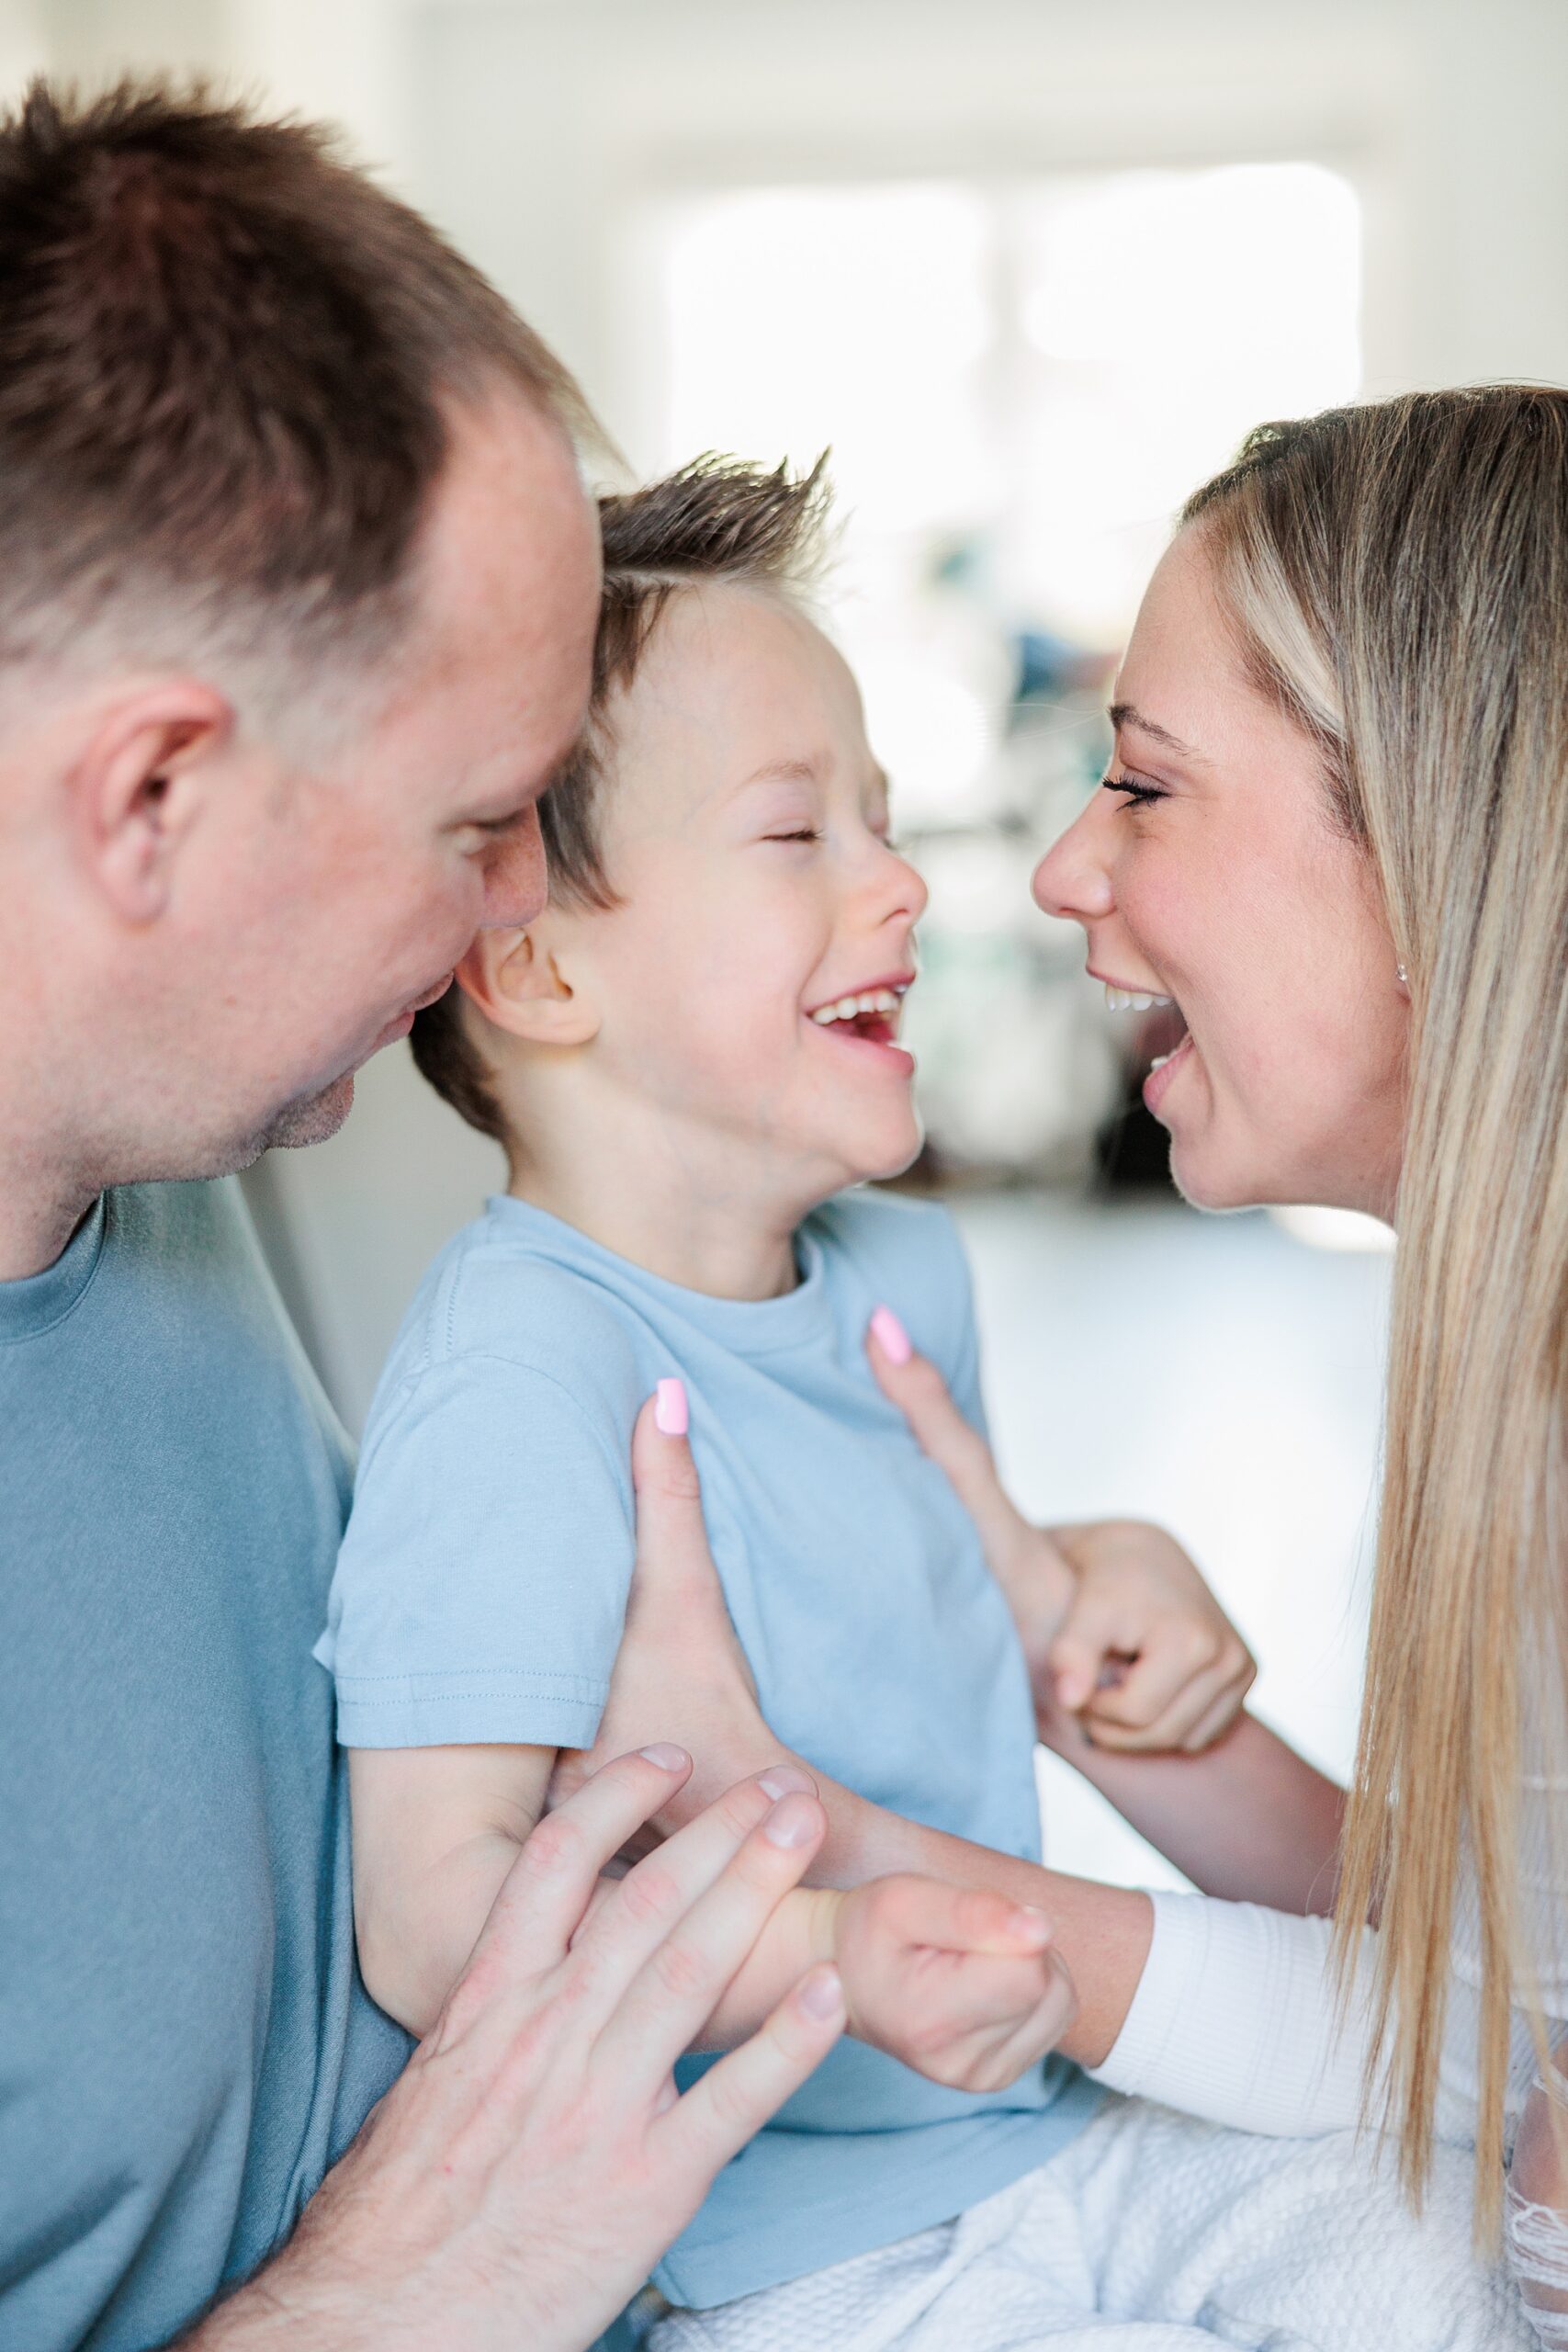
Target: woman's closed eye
{"points": [[1139, 795], [798, 833]]}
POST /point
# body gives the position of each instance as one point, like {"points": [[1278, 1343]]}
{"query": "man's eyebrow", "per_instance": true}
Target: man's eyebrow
{"points": [[1126, 714]]}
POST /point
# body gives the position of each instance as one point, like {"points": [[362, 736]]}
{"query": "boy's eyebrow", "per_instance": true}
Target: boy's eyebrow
{"points": [[784, 772], [804, 771], [1127, 714]]}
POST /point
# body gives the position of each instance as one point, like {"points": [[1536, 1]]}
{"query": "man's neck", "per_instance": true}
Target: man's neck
{"points": [[42, 1202]]}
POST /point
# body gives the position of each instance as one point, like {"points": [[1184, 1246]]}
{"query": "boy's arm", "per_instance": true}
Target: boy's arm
{"points": [[436, 1830]]}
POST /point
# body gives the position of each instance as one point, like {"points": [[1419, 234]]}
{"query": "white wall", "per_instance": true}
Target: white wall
{"points": [[530, 129]]}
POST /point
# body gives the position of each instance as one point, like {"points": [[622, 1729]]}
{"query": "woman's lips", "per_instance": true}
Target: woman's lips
{"points": [[1157, 1084]]}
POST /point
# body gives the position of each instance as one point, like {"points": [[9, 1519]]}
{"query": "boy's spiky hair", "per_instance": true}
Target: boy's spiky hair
{"points": [[716, 520]]}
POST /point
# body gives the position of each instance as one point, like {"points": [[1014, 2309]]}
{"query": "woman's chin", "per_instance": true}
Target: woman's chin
{"points": [[1205, 1181]]}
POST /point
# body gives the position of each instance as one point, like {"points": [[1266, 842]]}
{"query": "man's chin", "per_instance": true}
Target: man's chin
{"points": [[312, 1120]]}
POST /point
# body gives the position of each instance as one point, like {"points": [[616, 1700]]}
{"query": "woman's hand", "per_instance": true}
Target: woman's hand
{"points": [[1118, 1626], [1536, 2212], [679, 1671]]}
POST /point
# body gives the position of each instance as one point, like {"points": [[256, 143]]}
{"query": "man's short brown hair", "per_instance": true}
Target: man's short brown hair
{"points": [[716, 520], [226, 366]]}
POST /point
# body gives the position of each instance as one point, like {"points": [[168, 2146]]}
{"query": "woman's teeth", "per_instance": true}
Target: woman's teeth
{"points": [[1128, 1000], [851, 1008]]}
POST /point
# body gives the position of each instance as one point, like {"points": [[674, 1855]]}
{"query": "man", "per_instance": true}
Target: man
{"points": [[298, 589]]}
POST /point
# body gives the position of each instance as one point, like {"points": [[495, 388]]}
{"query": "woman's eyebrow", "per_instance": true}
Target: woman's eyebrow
{"points": [[1126, 714]]}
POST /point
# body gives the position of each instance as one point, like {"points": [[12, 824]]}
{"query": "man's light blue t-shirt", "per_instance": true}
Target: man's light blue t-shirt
{"points": [[481, 1588], [185, 2044]]}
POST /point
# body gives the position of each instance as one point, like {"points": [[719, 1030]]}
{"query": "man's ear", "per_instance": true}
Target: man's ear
{"points": [[138, 788], [516, 978]]}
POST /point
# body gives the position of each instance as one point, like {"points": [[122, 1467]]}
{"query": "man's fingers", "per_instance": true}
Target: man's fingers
{"points": [[733, 2100], [661, 1894], [683, 1976], [549, 1887], [913, 1383]]}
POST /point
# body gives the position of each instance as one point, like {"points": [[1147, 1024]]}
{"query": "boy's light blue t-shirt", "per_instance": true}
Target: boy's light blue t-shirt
{"points": [[482, 1590]]}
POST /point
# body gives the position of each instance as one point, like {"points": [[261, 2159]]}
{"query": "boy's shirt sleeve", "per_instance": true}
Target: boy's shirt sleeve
{"points": [[480, 1592]]}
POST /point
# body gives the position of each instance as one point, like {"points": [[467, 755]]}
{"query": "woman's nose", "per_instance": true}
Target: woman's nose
{"points": [[1073, 878]]}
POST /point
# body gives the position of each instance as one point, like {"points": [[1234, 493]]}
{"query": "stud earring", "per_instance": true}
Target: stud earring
{"points": [[1404, 976]]}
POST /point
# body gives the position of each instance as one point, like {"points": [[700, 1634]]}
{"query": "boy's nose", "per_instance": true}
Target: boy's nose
{"points": [[910, 893], [1073, 878]]}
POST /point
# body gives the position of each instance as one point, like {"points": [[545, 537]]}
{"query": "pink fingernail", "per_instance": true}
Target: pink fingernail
{"points": [[890, 1335], [667, 1756], [670, 1415], [1032, 1925], [820, 1993], [786, 1780]]}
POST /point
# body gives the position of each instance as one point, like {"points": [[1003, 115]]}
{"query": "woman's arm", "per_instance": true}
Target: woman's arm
{"points": [[1138, 1677], [1249, 1819]]}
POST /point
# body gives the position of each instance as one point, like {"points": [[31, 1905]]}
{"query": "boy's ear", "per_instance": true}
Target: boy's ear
{"points": [[517, 982]]}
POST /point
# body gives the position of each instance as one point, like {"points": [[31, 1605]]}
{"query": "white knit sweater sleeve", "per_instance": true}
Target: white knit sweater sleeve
{"points": [[1234, 2020], [1236, 2017]]}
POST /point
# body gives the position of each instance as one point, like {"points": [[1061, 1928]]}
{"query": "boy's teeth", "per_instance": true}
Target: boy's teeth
{"points": [[884, 1001], [1132, 1001]]}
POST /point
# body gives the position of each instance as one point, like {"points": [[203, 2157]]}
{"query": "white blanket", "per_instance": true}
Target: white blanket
{"points": [[1156, 2232]]}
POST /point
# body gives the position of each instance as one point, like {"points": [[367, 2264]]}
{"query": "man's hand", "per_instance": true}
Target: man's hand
{"points": [[518, 2182], [959, 1983], [1118, 1626]]}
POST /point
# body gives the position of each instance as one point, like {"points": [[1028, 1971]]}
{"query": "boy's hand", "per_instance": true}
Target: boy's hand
{"points": [[1117, 1624], [958, 1982]]}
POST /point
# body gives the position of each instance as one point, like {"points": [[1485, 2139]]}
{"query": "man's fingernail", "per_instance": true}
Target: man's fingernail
{"points": [[790, 1824], [670, 1414], [821, 1995], [890, 1335], [668, 1757], [786, 1780], [1032, 1925]]}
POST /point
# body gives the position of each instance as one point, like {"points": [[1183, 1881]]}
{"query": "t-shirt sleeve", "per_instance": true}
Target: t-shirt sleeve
{"points": [[481, 1587]]}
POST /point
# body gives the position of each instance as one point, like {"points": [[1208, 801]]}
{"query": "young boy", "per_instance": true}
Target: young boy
{"points": [[690, 1059]]}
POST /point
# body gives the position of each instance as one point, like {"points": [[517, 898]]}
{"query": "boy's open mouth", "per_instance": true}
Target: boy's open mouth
{"points": [[871, 1015]]}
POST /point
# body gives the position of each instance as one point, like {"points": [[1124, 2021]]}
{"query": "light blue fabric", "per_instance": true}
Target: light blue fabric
{"points": [[185, 2045], [481, 1593]]}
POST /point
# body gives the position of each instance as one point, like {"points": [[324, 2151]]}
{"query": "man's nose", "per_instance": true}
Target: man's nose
{"points": [[516, 881], [1073, 878]]}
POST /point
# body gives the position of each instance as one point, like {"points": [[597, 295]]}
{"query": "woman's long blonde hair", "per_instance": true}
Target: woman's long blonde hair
{"points": [[1398, 578]]}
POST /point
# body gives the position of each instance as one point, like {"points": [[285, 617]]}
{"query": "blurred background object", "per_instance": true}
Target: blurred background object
{"points": [[1031, 271]]}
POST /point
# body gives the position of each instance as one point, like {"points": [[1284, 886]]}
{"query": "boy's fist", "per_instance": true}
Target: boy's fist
{"points": [[960, 1983], [1118, 1626]]}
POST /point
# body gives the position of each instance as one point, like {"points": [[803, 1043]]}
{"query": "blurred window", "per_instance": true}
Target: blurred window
{"points": [[1020, 383]]}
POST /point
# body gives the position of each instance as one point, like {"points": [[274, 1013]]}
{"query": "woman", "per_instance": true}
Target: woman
{"points": [[1336, 832]]}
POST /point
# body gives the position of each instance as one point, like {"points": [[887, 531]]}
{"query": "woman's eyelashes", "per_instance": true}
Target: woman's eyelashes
{"points": [[1139, 795]]}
